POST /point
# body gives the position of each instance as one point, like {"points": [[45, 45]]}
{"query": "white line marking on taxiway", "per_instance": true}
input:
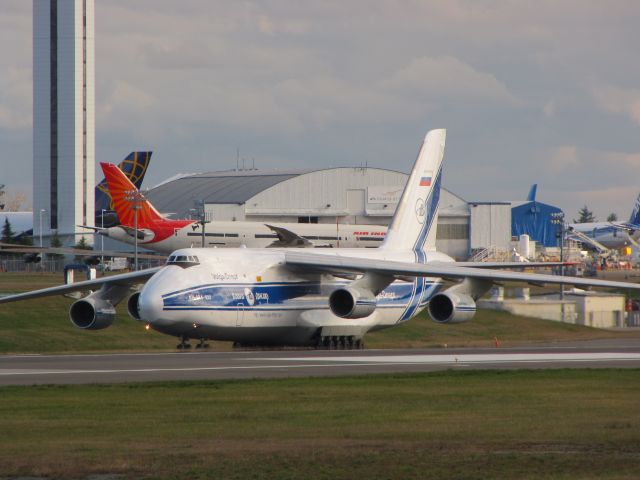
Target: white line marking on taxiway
{"points": [[382, 360]]}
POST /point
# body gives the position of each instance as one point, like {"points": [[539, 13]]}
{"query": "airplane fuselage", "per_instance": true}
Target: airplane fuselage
{"points": [[606, 233], [184, 234], [246, 296]]}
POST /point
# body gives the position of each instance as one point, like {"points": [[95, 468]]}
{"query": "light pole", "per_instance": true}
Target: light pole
{"points": [[202, 218], [102, 239], [558, 220], [42, 210], [136, 197]]}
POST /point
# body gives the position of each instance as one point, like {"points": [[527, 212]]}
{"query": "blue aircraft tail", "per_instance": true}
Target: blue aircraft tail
{"points": [[134, 167], [635, 213], [532, 193]]}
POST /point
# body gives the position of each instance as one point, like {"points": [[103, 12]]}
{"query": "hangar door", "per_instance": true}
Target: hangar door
{"points": [[355, 202]]}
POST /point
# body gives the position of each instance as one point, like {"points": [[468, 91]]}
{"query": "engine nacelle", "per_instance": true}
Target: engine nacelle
{"points": [[350, 302], [452, 307], [32, 257], [92, 313], [132, 306]]}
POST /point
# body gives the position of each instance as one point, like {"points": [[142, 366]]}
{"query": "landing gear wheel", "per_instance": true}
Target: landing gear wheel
{"points": [[184, 343], [203, 343]]}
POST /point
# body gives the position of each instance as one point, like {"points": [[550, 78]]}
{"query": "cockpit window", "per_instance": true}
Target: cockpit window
{"points": [[183, 261]]}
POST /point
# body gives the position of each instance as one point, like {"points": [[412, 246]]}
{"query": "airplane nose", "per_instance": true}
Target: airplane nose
{"points": [[149, 305]]}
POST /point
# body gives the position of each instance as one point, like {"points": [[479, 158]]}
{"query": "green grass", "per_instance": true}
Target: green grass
{"points": [[561, 424], [43, 326]]}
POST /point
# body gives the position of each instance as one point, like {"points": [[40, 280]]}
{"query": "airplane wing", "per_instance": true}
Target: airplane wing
{"points": [[13, 248], [392, 269], [123, 279], [629, 227], [287, 238], [501, 265]]}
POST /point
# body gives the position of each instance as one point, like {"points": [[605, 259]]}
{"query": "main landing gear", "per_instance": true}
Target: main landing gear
{"points": [[186, 345], [339, 342]]}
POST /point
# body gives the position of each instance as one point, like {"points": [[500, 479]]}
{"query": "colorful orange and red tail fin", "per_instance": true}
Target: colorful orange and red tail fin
{"points": [[123, 193]]}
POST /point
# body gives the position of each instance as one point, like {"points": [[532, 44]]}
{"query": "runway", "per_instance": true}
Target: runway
{"points": [[143, 367]]}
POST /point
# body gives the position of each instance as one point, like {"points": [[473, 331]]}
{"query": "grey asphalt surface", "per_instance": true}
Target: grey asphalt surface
{"points": [[209, 365]]}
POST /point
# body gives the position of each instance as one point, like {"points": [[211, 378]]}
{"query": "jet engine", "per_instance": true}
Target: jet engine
{"points": [[32, 257], [352, 302], [92, 313], [452, 307], [132, 306]]}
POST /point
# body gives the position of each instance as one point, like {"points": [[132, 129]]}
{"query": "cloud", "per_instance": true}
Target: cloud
{"points": [[125, 98], [624, 101], [16, 98], [564, 159], [549, 109], [448, 77]]}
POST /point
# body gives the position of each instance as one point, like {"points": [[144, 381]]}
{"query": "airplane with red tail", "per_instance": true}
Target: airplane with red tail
{"points": [[158, 233]]}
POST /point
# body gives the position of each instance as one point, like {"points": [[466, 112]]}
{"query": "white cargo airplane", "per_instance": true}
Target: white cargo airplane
{"points": [[308, 297]]}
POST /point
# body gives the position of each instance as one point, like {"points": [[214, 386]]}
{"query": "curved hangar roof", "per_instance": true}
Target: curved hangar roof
{"points": [[179, 195]]}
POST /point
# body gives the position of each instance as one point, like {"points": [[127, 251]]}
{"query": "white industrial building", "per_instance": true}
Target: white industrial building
{"points": [[345, 195], [63, 116]]}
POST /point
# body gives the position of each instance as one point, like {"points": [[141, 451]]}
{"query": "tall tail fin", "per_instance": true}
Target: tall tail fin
{"points": [[532, 193], [635, 213], [414, 224], [121, 190], [134, 166]]}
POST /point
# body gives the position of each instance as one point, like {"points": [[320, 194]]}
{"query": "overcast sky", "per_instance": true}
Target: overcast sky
{"points": [[543, 92]]}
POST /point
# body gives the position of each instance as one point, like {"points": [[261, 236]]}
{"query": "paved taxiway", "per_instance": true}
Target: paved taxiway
{"points": [[109, 368]]}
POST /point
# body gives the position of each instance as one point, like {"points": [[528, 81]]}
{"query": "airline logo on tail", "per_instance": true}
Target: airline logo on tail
{"points": [[413, 226], [127, 199], [134, 167]]}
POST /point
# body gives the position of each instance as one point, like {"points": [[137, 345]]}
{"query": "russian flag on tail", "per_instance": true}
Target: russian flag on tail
{"points": [[425, 181]]}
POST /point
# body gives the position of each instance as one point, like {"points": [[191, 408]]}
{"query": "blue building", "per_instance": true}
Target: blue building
{"points": [[534, 219]]}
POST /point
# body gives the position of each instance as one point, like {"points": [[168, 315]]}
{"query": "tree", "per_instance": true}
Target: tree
{"points": [[585, 216], [7, 232], [612, 217], [25, 240], [82, 245], [55, 242], [7, 237]]}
